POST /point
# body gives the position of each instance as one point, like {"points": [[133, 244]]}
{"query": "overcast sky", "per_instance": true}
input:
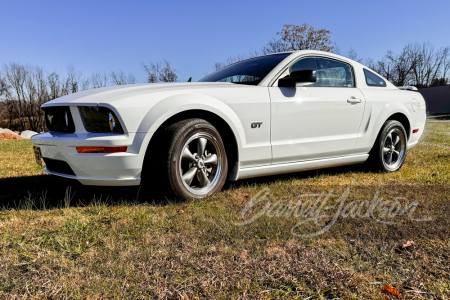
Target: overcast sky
{"points": [[192, 35]]}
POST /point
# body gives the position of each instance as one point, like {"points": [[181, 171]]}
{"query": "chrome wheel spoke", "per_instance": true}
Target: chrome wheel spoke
{"points": [[189, 175], [201, 146], [187, 155], [396, 140], [386, 150], [397, 153], [389, 138], [204, 181], [389, 158], [211, 160]]}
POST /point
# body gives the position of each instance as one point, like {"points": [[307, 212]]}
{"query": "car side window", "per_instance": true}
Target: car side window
{"points": [[373, 80], [329, 72]]}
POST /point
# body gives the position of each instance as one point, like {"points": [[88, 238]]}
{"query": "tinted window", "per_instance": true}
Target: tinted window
{"points": [[329, 72], [373, 80], [250, 71]]}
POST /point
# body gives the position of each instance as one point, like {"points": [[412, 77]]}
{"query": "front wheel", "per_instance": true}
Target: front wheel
{"points": [[389, 152], [195, 164]]}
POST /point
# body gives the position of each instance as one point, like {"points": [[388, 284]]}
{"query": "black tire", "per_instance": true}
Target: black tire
{"points": [[168, 171], [397, 150]]}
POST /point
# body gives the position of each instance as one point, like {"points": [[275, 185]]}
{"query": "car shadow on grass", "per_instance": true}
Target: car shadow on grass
{"points": [[359, 168], [47, 191]]}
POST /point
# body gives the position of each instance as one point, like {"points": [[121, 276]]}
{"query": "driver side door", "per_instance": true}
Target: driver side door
{"points": [[316, 120]]}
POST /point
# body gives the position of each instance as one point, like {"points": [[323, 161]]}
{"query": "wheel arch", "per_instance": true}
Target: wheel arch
{"points": [[227, 134], [397, 116], [392, 110], [403, 119]]}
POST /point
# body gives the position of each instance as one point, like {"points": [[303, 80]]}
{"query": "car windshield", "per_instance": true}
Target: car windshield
{"points": [[250, 71]]}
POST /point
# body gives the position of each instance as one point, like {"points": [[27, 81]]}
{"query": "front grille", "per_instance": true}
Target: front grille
{"points": [[58, 166], [59, 119]]}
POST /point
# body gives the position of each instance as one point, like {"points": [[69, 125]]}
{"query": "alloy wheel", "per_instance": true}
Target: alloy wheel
{"points": [[394, 148], [201, 163]]}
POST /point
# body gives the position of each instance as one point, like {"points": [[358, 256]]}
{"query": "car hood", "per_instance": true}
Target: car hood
{"points": [[111, 93]]}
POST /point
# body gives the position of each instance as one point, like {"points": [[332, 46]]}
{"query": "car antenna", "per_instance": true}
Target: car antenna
{"points": [[190, 79]]}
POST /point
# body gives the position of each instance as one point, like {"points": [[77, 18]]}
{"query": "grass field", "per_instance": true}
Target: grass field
{"points": [[62, 240]]}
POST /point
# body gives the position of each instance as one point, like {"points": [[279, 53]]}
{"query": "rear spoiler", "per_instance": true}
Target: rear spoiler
{"points": [[408, 88]]}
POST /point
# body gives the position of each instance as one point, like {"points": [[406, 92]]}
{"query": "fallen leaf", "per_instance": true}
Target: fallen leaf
{"points": [[180, 211], [407, 244], [244, 254], [389, 290]]}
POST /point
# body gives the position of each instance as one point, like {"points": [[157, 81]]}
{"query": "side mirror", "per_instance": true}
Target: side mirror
{"points": [[297, 77]]}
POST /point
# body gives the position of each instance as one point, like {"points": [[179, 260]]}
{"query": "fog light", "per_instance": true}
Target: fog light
{"points": [[101, 149]]}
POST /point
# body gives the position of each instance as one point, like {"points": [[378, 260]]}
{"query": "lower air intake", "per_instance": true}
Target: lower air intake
{"points": [[58, 166]]}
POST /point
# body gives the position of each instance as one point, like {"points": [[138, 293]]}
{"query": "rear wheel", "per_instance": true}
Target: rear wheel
{"points": [[194, 162], [389, 151]]}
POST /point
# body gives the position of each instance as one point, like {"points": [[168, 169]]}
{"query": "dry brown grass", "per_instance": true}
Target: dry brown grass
{"points": [[98, 243]]}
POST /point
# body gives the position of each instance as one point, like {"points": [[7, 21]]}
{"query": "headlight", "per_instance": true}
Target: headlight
{"points": [[99, 120], [59, 119]]}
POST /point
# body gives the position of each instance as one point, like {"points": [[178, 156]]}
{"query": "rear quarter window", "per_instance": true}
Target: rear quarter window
{"points": [[374, 80]]}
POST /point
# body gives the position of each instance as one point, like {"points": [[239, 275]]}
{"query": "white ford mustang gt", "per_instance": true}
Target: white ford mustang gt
{"points": [[272, 114]]}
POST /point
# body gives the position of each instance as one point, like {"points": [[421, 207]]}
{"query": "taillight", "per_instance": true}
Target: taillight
{"points": [[101, 149]]}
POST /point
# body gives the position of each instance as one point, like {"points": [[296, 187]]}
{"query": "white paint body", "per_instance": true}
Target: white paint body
{"points": [[302, 128]]}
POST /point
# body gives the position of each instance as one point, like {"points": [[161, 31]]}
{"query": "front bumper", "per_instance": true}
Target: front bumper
{"points": [[106, 169]]}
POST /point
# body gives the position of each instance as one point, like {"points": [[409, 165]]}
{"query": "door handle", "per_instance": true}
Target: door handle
{"points": [[354, 100]]}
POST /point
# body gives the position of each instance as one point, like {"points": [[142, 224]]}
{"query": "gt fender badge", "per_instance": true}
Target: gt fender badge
{"points": [[256, 124]]}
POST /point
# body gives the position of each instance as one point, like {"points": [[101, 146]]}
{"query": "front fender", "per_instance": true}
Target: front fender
{"points": [[170, 106]]}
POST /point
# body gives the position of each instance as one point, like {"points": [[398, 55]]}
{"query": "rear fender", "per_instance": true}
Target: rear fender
{"points": [[373, 121]]}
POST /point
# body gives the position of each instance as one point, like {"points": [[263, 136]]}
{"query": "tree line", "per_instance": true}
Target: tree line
{"points": [[417, 64], [24, 88]]}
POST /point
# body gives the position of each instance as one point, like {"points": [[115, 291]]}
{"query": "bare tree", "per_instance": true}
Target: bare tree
{"points": [[27, 92], [55, 86], [352, 54], [72, 80], [15, 75], [36, 85], [398, 68], [432, 66], [98, 80], [8, 111], [234, 59], [24, 88], [417, 64], [120, 78], [3, 85], [294, 37], [276, 46], [160, 72], [218, 66]]}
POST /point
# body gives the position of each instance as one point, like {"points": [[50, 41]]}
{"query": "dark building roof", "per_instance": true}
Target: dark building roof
{"points": [[437, 99]]}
